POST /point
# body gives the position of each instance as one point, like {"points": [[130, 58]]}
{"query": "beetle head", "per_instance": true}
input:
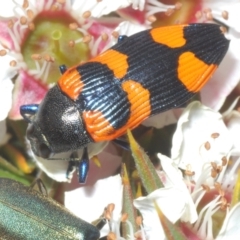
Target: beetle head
{"points": [[56, 126]]}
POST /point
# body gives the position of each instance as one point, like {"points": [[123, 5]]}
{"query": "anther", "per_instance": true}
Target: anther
{"points": [[223, 29], [189, 173], [169, 12], [225, 15], [151, 18], [111, 236], [31, 26], [178, 5], [73, 26], [25, 4], [23, 20], [224, 161], [10, 23], [207, 145], [30, 14], [3, 52], [87, 38], [115, 34], [13, 63], [86, 14], [48, 58], [36, 57], [214, 165], [214, 173], [139, 220], [71, 43], [104, 37], [217, 186], [198, 15], [215, 135]]}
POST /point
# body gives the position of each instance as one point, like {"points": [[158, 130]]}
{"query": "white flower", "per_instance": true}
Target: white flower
{"points": [[165, 198], [88, 202], [201, 137]]}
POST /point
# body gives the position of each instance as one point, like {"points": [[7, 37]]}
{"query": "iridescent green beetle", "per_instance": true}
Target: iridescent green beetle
{"points": [[27, 214]]}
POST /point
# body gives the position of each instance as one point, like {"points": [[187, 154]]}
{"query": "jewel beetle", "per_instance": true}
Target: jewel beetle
{"points": [[28, 214], [142, 75]]}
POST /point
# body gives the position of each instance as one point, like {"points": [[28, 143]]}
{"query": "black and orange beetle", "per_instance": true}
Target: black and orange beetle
{"points": [[142, 75]]}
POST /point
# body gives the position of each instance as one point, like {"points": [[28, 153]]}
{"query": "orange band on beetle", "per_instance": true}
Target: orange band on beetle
{"points": [[193, 72], [101, 130], [115, 61], [171, 36], [71, 84]]}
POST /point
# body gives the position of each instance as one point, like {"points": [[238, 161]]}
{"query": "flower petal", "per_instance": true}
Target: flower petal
{"points": [[193, 142], [224, 81], [82, 201], [174, 178]]}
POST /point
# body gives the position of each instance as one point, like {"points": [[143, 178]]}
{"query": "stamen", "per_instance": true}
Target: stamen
{"points": [[48, 4], [202, 229], [14, 35], [154, 6], [211, 14], [230, 184]]}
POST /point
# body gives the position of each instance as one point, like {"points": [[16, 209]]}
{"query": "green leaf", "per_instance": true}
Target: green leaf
{"points": [[145, 168]]}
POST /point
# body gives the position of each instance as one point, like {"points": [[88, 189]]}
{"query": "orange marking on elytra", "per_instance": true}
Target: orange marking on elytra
{"points": [[100, 129], [172, 36], [115, 61], [193, 72], [71, 84]]}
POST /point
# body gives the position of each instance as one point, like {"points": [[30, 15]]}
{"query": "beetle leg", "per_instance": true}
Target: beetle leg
{"points": [[83, 167], [123, 144], [62, 69], [72, 165]]}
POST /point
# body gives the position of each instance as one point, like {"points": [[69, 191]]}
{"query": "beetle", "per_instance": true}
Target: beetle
{"points": [[28, 214], [142, 75]]}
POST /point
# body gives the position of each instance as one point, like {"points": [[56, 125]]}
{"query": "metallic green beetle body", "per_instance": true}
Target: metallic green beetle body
{"points": [[27, 214]]}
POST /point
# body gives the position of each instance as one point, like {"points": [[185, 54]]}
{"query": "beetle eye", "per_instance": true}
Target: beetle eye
{"points": [[44, 151]]}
